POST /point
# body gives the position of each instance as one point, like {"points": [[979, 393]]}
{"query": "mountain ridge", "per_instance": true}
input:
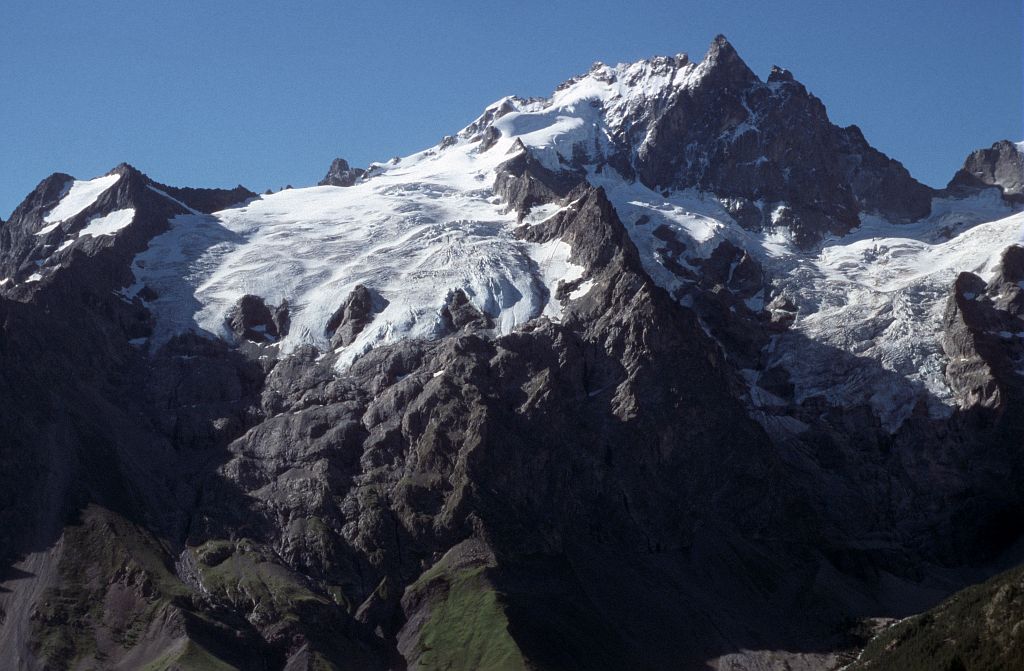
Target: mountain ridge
{"points": [[501, 402]]}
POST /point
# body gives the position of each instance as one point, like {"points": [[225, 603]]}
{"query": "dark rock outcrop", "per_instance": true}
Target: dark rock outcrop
{"points": [[970, 327], [252, 319], [488, 138], [349, 320], [341, 174], [209, 200], [523, 182], [459, 313], [1000, 166], [983, 337]]}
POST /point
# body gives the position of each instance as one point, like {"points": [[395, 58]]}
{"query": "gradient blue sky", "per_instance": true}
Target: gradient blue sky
{"points": [[220, 92]]}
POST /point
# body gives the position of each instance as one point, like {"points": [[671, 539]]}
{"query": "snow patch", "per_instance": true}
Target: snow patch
{"points": [[81, 195], [541, 213], [553, 260], [46, 230], [582, 290], [109, 224]]}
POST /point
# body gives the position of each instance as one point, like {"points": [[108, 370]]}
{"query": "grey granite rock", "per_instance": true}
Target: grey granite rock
{"points": [[341, 174], [353, 315], [604, 490], [1000, 166]]}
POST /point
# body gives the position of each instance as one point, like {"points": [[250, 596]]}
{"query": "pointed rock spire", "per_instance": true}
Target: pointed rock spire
{"points": [[721, 45], [723, 60]]}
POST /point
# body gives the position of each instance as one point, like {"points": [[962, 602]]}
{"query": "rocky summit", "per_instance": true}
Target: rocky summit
{"points": [[665, 371]]}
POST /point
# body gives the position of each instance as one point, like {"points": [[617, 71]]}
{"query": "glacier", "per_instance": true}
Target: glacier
{"points": [[419, 227]]}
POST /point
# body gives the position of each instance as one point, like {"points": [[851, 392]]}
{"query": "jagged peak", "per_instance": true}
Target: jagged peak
{"points": [[721, 56], [126, 169], [657, 76], [628, 84], [720, 44], [779, 74], [49, 190], [630, 71]]}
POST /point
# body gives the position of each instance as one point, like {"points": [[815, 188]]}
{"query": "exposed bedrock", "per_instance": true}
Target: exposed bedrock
{"points": [[341, 174], [630, 481], [1000, 166]]}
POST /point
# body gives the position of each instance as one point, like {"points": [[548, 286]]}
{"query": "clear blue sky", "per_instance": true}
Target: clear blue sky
{"points": [[220, 92]]}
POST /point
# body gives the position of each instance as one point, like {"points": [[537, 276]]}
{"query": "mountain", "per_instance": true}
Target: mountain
{"points": [[664, 371], [976, 628], [1000, 166]]}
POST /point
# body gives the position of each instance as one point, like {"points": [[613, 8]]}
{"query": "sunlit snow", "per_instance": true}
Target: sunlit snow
{"points": [[109, 224], [417, 228], [414, 232], [81, 195]]}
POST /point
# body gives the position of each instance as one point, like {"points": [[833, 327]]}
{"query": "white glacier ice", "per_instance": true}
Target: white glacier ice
{"points": [[419, 227]]}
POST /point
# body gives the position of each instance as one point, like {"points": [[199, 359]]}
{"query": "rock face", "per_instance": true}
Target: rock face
{"points": [[983, 324], [627, 476], [770, 143], [398, 445], [768, 149], [354, 314], [39, 239], [341, 174], [253, 320], [1001, 166], [523, 182], [459, 313]]}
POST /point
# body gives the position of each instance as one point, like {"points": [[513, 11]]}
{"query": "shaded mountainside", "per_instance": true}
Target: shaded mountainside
{"points": [[977, 628], [529, 399]]}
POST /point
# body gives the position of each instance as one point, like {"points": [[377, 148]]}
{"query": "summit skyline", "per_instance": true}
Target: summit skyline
{"points": [[265, 97]]}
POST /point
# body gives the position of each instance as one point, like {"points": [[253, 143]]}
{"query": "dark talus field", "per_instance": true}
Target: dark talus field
{"points": [[667, 371]]}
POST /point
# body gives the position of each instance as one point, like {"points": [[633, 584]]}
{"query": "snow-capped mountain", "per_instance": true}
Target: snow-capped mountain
{"points": [[418, 228], [639, 326]]}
